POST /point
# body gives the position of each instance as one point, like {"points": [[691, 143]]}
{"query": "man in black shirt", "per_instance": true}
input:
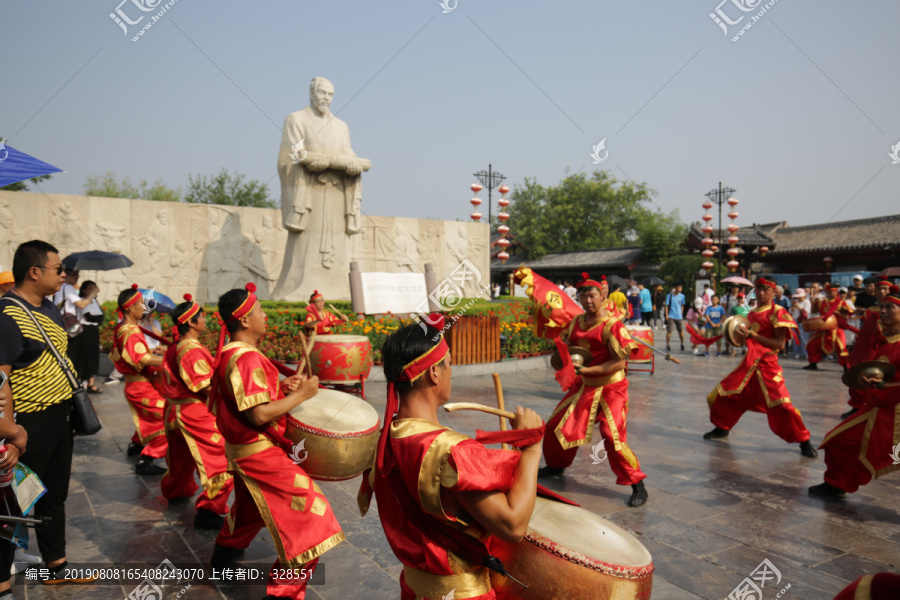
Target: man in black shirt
{"points": [[37, 394], [866, 298]]}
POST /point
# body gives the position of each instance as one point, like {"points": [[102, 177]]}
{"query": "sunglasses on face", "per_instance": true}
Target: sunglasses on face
{"points": [[59, 270]]}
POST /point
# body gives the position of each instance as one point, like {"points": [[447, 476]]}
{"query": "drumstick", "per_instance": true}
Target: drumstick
{"points": [[339, 313], [450, 407], [305, 350], [498, 388]]}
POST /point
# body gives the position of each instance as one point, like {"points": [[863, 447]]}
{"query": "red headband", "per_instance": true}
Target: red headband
{"points": [[411, 372], [762, 281], [883, 281], [586, 281], [134, 299], [315, 295], [190, 312], [241, 311], [894, 296]]}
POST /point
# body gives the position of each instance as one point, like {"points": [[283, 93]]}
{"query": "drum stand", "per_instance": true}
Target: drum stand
{"points": [[358, 389], [651, 370]]}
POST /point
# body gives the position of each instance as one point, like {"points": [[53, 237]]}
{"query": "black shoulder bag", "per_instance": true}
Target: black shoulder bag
{"points": [[84, 418]]}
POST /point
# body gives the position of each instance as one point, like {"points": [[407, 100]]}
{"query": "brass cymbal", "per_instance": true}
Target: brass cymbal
{"points": [[870, 368], [580, 356], [729, 326]]}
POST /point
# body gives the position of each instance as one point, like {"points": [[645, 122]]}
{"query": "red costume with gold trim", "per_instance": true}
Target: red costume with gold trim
{"points": [[269, 488], [326, 320], [862, 446], [757, 384], [195, 443], [431, 461], [131, 357], [867, 341], [595, 399], [828, 341], [880, 586]]}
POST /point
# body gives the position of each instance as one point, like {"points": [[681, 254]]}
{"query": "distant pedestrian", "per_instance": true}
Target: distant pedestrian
{"points": [[646, 305]]}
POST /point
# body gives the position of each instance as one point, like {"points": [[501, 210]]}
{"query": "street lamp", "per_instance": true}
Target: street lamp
{"points": [[719, 197], [489, 179]]}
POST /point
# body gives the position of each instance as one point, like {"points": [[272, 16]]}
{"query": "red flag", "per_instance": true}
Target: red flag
{"points": [[566, 376], [698, 338], [553, 309]]}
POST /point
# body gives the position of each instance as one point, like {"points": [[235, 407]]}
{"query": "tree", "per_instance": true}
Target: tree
{"points": [[684, 269], [107, 187], [228, 189], [586, 214], [20, 186]]}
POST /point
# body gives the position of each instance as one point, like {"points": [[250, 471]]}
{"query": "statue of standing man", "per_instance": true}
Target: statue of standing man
{"points": [[321, 191]]}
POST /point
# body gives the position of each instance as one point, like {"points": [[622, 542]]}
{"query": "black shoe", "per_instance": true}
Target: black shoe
{"points": [[682, 347], [811, 367], [550, 472], [205, 519], [808, 450], [638, 495], [716, 434], [223, 556], [146, 467], [850, 412], [134, 449], [827, 492], [668, 348], [58, 572]]}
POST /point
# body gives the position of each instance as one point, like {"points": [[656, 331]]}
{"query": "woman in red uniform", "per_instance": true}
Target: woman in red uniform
{"points": [[319, 319]]}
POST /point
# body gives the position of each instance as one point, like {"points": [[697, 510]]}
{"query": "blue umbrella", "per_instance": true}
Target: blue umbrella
{"points": [[154, 300], [17, 166]]}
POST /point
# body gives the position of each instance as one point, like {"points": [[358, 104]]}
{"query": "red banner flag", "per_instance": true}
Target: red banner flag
{"points": [[553, 309]]}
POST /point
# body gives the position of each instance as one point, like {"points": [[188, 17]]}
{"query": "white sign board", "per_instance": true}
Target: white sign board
{"points": [[395, 292]]}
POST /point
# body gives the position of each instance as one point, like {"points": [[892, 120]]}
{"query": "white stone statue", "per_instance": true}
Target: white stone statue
{"points": [[321, 191]]}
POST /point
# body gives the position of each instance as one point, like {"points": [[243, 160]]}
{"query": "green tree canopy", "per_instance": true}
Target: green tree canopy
{"points": [[225, 188], [20, 186], [684, 269], [584, 213], [107, 186]]}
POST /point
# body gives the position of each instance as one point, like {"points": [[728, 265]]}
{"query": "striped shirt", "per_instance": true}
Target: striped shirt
{"points": [[37, 381]]}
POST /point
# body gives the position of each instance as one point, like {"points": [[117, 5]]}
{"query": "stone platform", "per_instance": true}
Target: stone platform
{"points": [[716, 510]]}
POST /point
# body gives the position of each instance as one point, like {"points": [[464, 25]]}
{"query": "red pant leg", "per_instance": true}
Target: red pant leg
{"points": [[147, 408], [814, 348], [623, 461], [178, 482], [786, 423], [207, 452], [285, 589], [784, 419], [554, 454], [243, 521], [843, 468]]}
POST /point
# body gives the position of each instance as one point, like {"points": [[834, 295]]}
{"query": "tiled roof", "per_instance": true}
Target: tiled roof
{"points": [[748, 236], [860, 234], [578, 259]]}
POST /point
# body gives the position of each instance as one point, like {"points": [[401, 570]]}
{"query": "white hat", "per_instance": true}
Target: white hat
{"points": [[855, 277], [698, 303], [799, 293]]}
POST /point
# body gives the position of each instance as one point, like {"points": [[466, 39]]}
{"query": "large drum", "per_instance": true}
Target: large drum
{"points": [[641, 354], [572, 554], [339, 433], [819, 324], [341, 359]]}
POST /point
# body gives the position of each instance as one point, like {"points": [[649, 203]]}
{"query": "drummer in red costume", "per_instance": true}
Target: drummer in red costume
{"points": [[827, 341], [323, 321], [868, 340], [757, 384], [600, 394], [195, 444], [867, 444], [441, 495], [270, 489], [140, 367]]}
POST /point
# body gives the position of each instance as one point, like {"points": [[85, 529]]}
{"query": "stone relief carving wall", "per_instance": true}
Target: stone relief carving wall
{"points": [[205, 250]]}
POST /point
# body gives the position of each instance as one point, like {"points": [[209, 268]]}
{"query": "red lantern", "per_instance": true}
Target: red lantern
{"points": [[503, 256], [732, 202], [503, 230], [732, 239], [708, 253], [476, 187], [503, 202], [503, 242], [503, 216], [707, 205], [707, 229], [732, 252], [475, 215], [733, 215], [732, 265], [707, 217], [707, 241], [475, 201], [732, 228], [708, 265], [714, 248], [763, 250], [503, 189]]}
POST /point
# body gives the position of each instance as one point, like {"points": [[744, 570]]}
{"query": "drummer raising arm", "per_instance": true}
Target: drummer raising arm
{"points": [[437, 488], [270, 488], [319, 319]]}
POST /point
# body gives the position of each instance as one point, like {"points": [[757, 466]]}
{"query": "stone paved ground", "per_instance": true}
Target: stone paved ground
{"points": [[717, 509]]}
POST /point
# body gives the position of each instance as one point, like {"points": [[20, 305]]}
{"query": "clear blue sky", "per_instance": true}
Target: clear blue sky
{"points": [[799, 115]]}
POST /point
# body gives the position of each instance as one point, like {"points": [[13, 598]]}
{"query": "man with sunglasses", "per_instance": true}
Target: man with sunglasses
{"points": [[37, 393]]}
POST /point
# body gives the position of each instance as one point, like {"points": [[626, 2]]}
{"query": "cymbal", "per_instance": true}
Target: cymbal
{"points": [[870, 368], [729, 326], [580, 356]]}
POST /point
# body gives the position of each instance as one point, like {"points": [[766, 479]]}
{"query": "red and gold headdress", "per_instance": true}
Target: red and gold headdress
{"points": [[762, 281], [893, 296], [135, 298], [190, 312], [586, 281], [315, 295], [883, 281], [411, 372], [245, 307]]}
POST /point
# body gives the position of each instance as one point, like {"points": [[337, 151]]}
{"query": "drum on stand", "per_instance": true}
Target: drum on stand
{"points": [[574, 554], [339, 433], [819, 324], [642, 354], [342, 360]]}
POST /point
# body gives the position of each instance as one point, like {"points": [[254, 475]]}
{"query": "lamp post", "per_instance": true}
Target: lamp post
{"points": [[719, 197], [489, 179]]}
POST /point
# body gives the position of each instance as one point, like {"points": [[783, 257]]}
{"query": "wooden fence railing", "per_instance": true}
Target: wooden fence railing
{"points": [[474, 340]]}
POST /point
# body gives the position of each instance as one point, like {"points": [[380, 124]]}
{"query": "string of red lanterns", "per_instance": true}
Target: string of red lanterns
{"points": [[476, 201], [707, 241], [503, 229], [732, 240]]}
